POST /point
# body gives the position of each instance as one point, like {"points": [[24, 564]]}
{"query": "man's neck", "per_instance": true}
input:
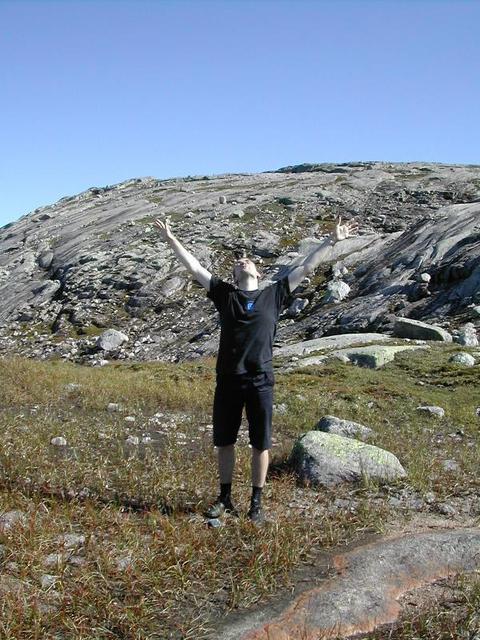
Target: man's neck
{"points": [[248, 283]]}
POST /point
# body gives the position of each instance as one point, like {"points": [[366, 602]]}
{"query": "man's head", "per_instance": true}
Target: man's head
{"points": [[244, 269]]}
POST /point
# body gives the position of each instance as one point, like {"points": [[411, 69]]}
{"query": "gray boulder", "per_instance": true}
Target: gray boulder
{"points": [[438, 412], [464, 359], [171, 286], [329, 343], [297, 306], [346, 428], [467, 336], [45, 259], [45, 291], [336, 291], [373, 356], [339, 269], [111, 339], [328, 459], [416, 330]]}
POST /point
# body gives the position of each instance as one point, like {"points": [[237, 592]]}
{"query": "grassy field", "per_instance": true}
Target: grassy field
{"points": [[134, 478]]}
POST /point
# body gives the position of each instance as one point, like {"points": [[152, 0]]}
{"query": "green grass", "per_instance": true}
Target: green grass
{"points": [[145, 501]]}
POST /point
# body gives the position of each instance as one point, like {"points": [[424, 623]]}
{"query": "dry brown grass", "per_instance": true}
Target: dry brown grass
{"points": [[145, 502]]}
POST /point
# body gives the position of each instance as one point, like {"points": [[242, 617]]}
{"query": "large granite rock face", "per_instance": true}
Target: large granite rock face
{"points": [[328, 459], [95, 260]]}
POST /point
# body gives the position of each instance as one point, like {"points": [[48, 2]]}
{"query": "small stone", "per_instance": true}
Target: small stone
{"points": [[433, 411], [47, 580], [429, 497], [132, 440], [71, 540], [280, 409], [214, 523], [446, 509], [72, 386], [450, 465], [129, 418], [124, 563], [222, 199], [11, 519], [55, 559], [425, 277], [58, 441], [113, 407]]}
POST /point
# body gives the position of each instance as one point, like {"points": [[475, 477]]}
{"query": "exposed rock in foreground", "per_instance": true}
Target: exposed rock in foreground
{"points": [[364, 594], [94, 261]]}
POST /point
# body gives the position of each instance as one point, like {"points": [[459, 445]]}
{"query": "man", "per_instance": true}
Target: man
{"points": [[248, 321]]}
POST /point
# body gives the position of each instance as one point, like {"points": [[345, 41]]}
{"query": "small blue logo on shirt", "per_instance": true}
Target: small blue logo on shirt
{"points": [[250, 304]]}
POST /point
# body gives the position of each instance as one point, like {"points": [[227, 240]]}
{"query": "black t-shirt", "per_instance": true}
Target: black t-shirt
{"points": [[248, 321]]}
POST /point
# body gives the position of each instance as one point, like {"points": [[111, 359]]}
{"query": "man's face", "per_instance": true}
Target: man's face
{"points": [[244, 266]]}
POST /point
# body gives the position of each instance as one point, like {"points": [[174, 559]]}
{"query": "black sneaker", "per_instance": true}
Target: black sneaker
{"points": [[256, 515], [219, 507]]}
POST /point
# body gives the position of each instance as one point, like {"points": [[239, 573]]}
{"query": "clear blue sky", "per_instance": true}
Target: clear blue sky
{"points": [[95, 92]]}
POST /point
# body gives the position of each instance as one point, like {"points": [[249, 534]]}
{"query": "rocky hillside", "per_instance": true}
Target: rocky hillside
{"points": [[94, 261]]}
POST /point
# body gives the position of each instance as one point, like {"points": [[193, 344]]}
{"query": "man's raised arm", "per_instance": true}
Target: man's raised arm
{"points": [[200, 274], [321, 253]]}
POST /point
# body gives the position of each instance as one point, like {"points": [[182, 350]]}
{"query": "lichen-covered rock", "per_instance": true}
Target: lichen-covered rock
{"points": [[375, 355], [328, 459]]}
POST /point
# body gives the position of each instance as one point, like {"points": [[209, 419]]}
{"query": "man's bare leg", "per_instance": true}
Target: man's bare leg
{"points": [[226, 465], [260, 460]]}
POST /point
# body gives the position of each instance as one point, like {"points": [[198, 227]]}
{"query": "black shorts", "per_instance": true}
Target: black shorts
{"points": [[232, 393]]}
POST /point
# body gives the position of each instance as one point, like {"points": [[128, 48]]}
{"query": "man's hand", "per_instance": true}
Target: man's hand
{"points": [[343, 231], [164, 228]]}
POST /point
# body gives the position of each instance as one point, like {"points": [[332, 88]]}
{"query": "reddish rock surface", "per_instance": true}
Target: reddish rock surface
{"points": [[364, 594]]}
